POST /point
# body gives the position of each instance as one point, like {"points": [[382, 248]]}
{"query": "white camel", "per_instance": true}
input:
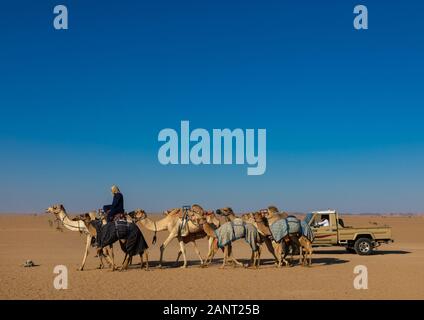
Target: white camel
{"points": [[59, 212]]}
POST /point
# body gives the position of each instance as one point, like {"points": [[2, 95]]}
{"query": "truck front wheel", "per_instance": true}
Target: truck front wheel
{"points": [[363, 246]]}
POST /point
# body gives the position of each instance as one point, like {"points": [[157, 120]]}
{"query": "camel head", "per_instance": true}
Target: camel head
{"points": [[211, 218], [138, 214], [259, 217], [247, 217], [227, 211], [196, 215], [86, 218], [197, 218], [170, 212], [270, 212], [55, 209], [197, 208]]}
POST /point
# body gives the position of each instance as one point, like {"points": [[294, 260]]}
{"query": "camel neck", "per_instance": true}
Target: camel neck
{"points": [[209, 230], [69, 224], [263, 228], [273, 219], [151, 225]]}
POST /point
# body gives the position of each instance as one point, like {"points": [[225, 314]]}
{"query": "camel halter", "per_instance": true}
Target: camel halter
{"points": [[69, 225]]}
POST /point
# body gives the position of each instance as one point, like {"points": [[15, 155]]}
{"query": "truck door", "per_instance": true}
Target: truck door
{"points": [[324, 233]]}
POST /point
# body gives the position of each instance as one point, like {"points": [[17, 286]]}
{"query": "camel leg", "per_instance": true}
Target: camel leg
{"points": [[125, 258], [270, 248], [285, 250], [258, 257], [125, 263], [110, 258], [178, 257], [212, 251], [183, 252], [253, 260], [196, 249], [255, 255], [112, 255], [279, 252], [234, 260], [295, 245], [309, 253], [224, 261], [146, 253], [171, 236], [302, 256], [87, 246], [301, 252]]}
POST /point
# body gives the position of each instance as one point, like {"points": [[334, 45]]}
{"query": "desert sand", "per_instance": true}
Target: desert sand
{"points": [[395, 271]]}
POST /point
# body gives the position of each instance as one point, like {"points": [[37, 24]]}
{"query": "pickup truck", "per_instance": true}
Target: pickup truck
{"points": [[333, 232]]}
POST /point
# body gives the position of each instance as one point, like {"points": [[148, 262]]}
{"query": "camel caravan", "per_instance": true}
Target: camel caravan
{"points": [[283, 235]]}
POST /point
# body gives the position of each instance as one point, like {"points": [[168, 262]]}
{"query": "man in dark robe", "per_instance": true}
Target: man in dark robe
{"points": [[117, 205]]}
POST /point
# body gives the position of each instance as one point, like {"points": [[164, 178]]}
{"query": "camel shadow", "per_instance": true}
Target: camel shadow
{"points": [[154, 264], [318, 261], [217, 262], [328, 261]]}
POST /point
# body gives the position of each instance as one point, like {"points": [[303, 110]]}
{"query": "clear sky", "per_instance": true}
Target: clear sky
{"points": [[81, 109]]}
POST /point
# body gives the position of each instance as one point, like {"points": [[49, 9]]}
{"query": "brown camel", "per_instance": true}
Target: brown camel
{"points": [[183, 230], [210, 229], [281, 248], [76, 224], [228, 214], [261, 223], [306, 251]]}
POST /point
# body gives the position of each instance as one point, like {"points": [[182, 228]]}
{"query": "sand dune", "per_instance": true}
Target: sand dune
{"points": [[396, 271]]}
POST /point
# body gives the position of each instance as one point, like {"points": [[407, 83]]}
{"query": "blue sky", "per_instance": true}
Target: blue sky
{"points": [[81, 109]]}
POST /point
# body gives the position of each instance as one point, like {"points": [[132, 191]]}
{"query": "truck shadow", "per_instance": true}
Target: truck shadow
{"points": [[390, 252], [377, 252]]}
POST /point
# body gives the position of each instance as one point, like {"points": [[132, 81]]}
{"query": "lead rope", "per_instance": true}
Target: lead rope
{"points": [[154, 236]]}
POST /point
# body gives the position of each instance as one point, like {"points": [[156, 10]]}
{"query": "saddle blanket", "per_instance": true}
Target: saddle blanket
{"points": [[283, 227], [291, 225], [237, 229], [121, 230]]}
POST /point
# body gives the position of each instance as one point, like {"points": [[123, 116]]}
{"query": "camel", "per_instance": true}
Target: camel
{"points": [[306, 251], [174, 224], [229, 215], [272, 215], [77, 224], [128, 258], [261, 224], [210, 229]]}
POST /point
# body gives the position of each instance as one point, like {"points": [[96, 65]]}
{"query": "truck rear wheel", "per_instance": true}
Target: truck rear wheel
{"points": [[363, 246]]}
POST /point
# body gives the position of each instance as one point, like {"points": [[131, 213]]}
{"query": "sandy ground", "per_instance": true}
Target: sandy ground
{"points": [[395, 271]]}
